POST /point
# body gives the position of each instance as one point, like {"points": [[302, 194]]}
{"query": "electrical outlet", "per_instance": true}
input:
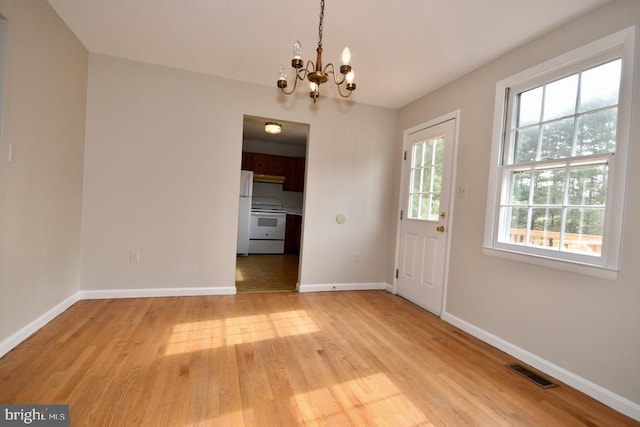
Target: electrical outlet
{"points": [[356, 257]]}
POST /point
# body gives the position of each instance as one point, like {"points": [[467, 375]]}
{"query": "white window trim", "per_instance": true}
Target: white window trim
{"points": [[608, 265]]}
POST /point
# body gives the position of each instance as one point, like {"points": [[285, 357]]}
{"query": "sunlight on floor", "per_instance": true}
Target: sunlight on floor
{"points": [[204, 335], [372, 400]]}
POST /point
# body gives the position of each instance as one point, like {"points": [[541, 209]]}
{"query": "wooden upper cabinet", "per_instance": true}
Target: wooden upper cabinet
{"points": [[278, 165], [294, 178], [292, 168]]}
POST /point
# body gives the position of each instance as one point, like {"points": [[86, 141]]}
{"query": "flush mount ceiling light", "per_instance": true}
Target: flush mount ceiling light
{"points": [[272, 128], [314, 72]]}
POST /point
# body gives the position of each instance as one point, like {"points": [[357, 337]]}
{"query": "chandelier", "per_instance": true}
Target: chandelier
{"points": [[314, 72]]}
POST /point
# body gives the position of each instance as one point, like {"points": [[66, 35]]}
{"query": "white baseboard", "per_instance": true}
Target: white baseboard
{"points": [[342, 287], [609, 398], [157, 292], [25, 332]]}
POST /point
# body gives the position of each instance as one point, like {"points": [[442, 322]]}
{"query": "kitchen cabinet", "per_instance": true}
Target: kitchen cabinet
{"points": [[292, 234], [257, 162], [292, 168], [294, 175]]}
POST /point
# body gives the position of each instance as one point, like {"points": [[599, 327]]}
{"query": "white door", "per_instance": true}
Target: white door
{"points": [[426, 201]]}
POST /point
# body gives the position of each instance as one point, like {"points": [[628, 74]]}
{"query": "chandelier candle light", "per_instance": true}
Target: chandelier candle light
{"points": [[314, 72]]}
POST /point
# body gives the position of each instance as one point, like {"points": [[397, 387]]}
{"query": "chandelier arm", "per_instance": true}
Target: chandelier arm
{"points": [[342, 94], [301, 74], [308, 69], [330, 69], [293, 89]]}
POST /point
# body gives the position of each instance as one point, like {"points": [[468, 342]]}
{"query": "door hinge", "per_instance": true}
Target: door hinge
{"points": [[396, 273], [405, 155], [401, 213]]}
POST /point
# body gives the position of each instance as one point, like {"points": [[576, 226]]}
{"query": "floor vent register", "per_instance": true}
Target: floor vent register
{"points": [[531, 376]]}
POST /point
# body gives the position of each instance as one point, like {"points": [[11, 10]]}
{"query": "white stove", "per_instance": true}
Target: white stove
{"points": [[266, 204], [267, 226]]}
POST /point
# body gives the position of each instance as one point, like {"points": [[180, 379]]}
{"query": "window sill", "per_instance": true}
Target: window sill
{"points": [[572, 267]]}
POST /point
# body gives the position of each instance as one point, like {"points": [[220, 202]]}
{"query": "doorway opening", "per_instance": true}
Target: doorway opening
{"points": [[272, 192]]}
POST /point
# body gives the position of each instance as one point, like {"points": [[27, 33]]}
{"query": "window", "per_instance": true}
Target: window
{"points": [[559, 159], [426, 179]]}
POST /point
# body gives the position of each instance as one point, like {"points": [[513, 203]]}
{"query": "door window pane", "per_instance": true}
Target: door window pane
{"points": [[426, 179]]}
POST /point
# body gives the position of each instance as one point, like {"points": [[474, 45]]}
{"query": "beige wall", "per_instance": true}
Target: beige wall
{"points": [[40, 193], [585, 325], [162, 170]]}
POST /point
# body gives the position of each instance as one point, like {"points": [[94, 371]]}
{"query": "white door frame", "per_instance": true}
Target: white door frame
{"points": [[455, 115]]}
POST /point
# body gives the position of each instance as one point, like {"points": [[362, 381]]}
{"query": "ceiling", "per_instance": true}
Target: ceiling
{"points": [[401, 50], [292, 133]]}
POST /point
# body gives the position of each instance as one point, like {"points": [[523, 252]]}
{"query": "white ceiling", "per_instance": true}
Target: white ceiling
{"points": [[401, 50], [292, 133]]}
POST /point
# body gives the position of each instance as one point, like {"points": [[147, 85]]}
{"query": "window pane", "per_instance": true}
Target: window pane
{"points": [[526, 147], [417, 154], [437, 179], [545, 227], [425, 183], [414, 206], [556, 139], [583, 230], [426, 179], [529, 107], [424, 206], [548, 186], [600, 85], [434, 211], [439, 144], [416, 180], [517, 224], [597, 132], [588, 184], [521, 185], [560, 97]]}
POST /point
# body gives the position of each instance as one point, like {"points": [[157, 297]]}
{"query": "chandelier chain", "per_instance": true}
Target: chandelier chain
{"points": [[320, 25]]}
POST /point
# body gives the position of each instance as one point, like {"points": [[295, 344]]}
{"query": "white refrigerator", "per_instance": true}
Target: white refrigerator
{"points": [[244, 213]]}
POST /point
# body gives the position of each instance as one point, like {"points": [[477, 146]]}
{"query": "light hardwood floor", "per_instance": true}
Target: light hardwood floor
{"points": [[278, 359], [266, 273]]}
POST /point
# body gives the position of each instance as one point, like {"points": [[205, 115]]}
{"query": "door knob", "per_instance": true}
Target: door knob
{"points": [[440, 228]]}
